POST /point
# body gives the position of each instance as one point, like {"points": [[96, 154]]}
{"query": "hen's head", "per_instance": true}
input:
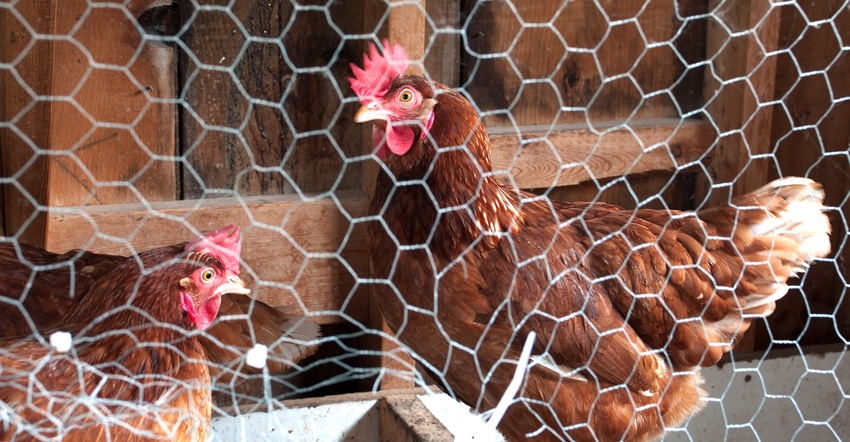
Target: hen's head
{"points": [[404, 103], [217, 254]]}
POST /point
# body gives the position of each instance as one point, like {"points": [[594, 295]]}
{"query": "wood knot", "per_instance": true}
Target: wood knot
{"points": [[571, 77], [676, 150]]}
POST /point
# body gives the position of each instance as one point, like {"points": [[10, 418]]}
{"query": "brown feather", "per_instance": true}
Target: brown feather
{"points": [[244, 321]]}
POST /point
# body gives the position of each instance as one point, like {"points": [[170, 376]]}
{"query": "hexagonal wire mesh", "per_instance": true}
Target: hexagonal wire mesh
{"points": [[131, 125]]}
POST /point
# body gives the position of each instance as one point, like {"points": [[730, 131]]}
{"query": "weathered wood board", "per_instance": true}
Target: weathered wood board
{"points": [[569, 157], [581, 60], [262, 111], [99, 148]]}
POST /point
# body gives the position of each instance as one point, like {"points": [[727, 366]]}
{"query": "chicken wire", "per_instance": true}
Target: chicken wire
{"points": [[811, 101]]}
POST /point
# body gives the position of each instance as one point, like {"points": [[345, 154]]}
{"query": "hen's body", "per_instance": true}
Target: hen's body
{"points": [[135, 372], [626, 305], [38, 287]]}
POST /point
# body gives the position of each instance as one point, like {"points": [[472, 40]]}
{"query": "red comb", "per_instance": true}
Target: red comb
{"points": [[224, 243], [373, 81]]}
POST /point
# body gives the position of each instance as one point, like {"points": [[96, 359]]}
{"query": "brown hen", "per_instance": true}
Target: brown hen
{"points": [[37, 287], [626, 305], [135, 371]]}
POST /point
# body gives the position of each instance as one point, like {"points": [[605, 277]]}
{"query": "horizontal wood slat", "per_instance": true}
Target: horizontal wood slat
{"points": [[567, 157]]}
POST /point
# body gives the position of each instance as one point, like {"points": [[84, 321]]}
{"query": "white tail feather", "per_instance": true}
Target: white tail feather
{"points": [[802, 218], [795, 211], [546, 361]]}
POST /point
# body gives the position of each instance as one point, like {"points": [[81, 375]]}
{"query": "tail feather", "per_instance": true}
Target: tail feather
{"points": [[298, 340], [788, 229]]}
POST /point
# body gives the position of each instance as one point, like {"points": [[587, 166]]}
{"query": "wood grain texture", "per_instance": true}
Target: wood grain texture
{"points": [[443, 41], [114, 114], [221, 130], [122, 97], [407, 28], [305, 254], [570, 157], [582, 60], [738, 79], [272, 126], [19, 158]]}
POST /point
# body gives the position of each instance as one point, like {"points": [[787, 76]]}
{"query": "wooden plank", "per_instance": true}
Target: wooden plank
{"points": [[650, 191], [570, 69], [12, 42], [216, 109], [17, 148], [82, 155], [313, 104], [235, 132], [294, 252], [113, 96], [442, 62], [407, 28], [732, 92], [567, 157]]}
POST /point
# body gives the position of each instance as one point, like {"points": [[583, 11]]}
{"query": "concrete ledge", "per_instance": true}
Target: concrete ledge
{"points": [[785, 395], [394, 415]]}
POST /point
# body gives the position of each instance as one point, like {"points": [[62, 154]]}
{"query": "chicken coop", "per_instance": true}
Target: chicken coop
{"points": [[128, 125]]}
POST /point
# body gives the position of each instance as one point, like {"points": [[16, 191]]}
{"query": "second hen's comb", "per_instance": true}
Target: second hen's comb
{"points": [[373, 81], [224, 243]]}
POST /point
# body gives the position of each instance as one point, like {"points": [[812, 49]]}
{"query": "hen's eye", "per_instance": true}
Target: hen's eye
{"points": [[405, 96], [208, 275]]}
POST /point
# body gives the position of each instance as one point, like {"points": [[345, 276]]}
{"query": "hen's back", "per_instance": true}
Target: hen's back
{"points": [[37, 286]]}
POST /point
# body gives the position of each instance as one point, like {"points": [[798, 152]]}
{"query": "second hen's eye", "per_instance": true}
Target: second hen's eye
{"points": [[207, 275], [406, 96]]}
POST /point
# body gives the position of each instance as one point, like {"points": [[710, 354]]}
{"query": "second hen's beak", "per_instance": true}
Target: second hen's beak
{"points": [[369, 112], [233, 285]]}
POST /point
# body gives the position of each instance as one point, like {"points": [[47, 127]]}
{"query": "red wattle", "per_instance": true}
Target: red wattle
{"points": [[399, 139], [208, 312]]}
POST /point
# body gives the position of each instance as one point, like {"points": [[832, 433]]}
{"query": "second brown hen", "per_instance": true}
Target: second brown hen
{"points": [[37, 287], [130, 368]]}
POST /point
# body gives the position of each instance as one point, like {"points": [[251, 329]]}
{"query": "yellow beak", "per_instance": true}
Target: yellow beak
{"points": [[233, 285], [370, 112]]}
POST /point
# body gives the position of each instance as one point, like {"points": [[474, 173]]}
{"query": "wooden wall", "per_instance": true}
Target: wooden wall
{"points": [[217, 115], [810, 136]]}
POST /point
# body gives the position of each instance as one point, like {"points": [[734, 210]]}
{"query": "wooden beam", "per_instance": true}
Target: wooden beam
{"points": [[17, 150], [567, 157], [407, 28], [738, 78], [306, 254], [442, 62], [68, 153]]}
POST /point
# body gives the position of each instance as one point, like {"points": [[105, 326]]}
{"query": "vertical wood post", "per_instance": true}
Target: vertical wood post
{"points": [[84, 151], [738, 78]]}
